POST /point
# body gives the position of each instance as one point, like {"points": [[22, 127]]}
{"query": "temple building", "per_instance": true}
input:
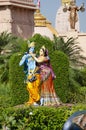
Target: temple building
{"points": [[17, 17], [24, 19], [63, 25], [43, 26]]}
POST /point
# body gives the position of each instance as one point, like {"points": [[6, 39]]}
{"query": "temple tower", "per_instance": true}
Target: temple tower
{"points": [[43, 26], [17, 17]]}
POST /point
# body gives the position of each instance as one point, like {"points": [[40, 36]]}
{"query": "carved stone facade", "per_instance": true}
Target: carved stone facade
{"points": [[17, 17]]}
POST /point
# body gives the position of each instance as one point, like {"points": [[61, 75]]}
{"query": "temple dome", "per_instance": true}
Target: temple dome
{"points": [[43, 26]]}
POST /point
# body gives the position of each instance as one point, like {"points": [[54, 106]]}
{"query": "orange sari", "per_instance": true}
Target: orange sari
{"points": [[48, 95]]}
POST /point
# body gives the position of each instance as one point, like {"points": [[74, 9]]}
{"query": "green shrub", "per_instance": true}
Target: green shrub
{"points": [[23, 45], [60, 64], [37, 118], [78, 96], [83, 76], [77, 91], [82, 94], [5, 97], [16, 77]]}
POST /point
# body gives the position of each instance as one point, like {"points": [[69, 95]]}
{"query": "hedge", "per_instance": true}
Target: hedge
{"points": [[16, 76], [60, 64], [37, 118]]}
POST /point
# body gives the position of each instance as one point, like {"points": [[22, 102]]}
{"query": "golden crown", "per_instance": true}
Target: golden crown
{"points": [[43, 47]]}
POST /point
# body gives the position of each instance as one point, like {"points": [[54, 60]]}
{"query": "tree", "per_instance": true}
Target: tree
{"points": [[9, 45], [71, 49]]}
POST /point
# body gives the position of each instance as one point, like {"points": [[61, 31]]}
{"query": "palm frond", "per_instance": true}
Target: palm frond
{"points": [[71, 48]]}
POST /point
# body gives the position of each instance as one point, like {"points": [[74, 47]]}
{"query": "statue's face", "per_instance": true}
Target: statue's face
{"points": [[72, 2], [41, 52]]}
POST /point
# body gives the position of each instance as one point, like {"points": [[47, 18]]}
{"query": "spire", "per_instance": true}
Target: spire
{"points": [[39, 19]]}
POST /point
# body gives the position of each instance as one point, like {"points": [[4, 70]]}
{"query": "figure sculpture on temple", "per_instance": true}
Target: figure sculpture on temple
{"points": [[73, 16]]}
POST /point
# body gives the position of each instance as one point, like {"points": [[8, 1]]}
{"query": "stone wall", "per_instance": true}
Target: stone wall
{"points": [[22, 22], [5, 19]]}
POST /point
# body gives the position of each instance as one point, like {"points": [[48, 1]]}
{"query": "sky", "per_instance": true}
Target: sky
{"points": [[49, 9]]}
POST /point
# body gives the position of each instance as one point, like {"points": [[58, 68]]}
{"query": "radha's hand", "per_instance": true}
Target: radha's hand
{"points": [[34, 57]]}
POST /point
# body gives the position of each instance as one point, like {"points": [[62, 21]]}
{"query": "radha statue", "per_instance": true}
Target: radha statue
{"points": [[48, 95]]}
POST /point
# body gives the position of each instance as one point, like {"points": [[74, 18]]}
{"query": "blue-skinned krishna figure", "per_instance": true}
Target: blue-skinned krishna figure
{"points": [[32, 76], [28, 61]]}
